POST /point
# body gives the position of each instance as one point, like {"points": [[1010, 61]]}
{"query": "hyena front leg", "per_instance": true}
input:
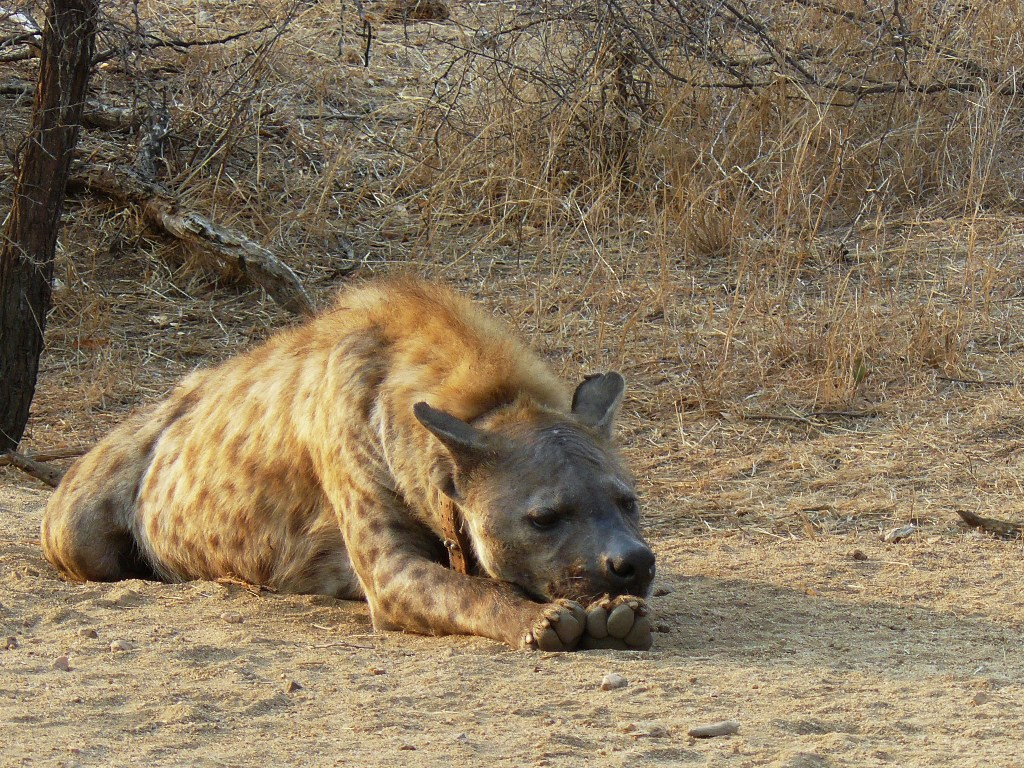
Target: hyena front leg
{"points": [[408, 590]]}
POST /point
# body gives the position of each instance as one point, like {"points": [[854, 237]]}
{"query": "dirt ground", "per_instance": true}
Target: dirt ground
{"points": [[903, 654], [776, 436]]}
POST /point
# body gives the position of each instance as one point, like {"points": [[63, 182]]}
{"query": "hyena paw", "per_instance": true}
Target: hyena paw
{"points": [[558, 628], [621, 623]]}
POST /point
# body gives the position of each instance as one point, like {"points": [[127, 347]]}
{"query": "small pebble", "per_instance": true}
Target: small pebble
{"points": [[858, 555], [378, 671], [11, 643], [899, 534], [62, 663], [232, 617], [120, 645], [981, 698], [612, 681], [291, 686], [662, 591], [651, 730], [721, 728], [87, 632]]}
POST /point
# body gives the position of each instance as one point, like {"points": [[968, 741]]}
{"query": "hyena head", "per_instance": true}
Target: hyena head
{"points": [[548, 505]]}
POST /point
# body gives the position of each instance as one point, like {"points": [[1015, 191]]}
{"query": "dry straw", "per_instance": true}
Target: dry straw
{"points": [[793, 225]]}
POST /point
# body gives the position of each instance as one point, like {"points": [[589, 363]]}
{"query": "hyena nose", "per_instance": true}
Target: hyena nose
{"points": [[631, 568]]}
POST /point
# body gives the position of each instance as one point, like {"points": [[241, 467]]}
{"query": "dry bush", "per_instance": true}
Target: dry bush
{"points": [[790, 203], [767, 147], [804, 115]]}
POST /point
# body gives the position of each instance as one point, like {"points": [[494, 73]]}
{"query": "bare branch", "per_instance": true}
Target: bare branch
{"points": [[222, 245], [40, 471]]}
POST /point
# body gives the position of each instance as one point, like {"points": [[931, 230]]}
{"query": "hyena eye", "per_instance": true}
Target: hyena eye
{"points": [[629, 506], [543, 519]]}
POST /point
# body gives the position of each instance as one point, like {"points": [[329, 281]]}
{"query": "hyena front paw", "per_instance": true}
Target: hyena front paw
{"points": [[621, 623], [558, 628]]}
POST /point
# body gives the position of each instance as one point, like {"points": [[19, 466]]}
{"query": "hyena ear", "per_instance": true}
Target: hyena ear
{"points": [[596, 401], [469, 447]]}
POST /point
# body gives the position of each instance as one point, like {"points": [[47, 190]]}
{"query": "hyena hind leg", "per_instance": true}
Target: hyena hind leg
{"points": [[87, 530], [89, 541]]}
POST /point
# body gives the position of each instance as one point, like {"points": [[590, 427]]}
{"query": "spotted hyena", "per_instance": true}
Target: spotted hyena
{"points": [[323, 462]]}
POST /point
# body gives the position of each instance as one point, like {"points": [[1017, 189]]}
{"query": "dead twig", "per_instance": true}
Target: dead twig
{"points": [[152, 42], [37, 469], [809, 418], [977, 382], [1000, 528], [95, 114], [253, 589], [49, 454], [711, 730]]}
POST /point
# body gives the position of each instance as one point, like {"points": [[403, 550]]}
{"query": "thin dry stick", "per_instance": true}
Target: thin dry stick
{"points": [[49, 454], [1001, 528], [809, 417]]}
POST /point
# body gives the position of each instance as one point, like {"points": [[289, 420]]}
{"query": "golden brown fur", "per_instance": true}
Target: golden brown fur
{"points": [[301, 465]]}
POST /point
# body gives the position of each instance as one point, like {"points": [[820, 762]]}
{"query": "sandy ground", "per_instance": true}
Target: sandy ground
{"points": [[907, 654]]}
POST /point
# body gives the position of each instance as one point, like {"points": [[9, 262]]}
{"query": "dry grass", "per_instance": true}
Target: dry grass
{"points": [[779, 250]]}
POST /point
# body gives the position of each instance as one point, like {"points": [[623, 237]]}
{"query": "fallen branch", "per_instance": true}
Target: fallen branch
{"points": [[225, 247], [28, 39], [49, 454], [95, 114], [1001, 528], [17, 88], [108, 117], [23, 53], [40, 471]]}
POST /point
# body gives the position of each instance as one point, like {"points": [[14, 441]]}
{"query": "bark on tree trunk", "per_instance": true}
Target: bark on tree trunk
{"points": [[30, 232]]}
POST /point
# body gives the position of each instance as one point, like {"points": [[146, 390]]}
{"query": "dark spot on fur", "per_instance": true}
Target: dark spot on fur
{"points": [[467, 602], [185, 403], [262, 570], [147, 446], [107, 509], [116, 464], [219, 434], [297, 522], [252, 469], [418, 571]]}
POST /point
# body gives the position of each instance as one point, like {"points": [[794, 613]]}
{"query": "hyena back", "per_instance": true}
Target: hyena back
{"points": [[318, 463]]}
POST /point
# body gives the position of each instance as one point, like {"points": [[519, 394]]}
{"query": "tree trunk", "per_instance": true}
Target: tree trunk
{"points": [[30, 234]]}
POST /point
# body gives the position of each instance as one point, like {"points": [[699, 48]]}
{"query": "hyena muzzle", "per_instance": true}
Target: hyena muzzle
{"points": [[356, 456]]}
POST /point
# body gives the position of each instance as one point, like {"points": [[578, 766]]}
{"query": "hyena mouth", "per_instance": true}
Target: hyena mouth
{"points": [[585, 588], [577, 585]]}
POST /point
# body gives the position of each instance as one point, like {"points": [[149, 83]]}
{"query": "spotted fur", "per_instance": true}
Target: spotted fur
{"points": [[315, 463]]}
